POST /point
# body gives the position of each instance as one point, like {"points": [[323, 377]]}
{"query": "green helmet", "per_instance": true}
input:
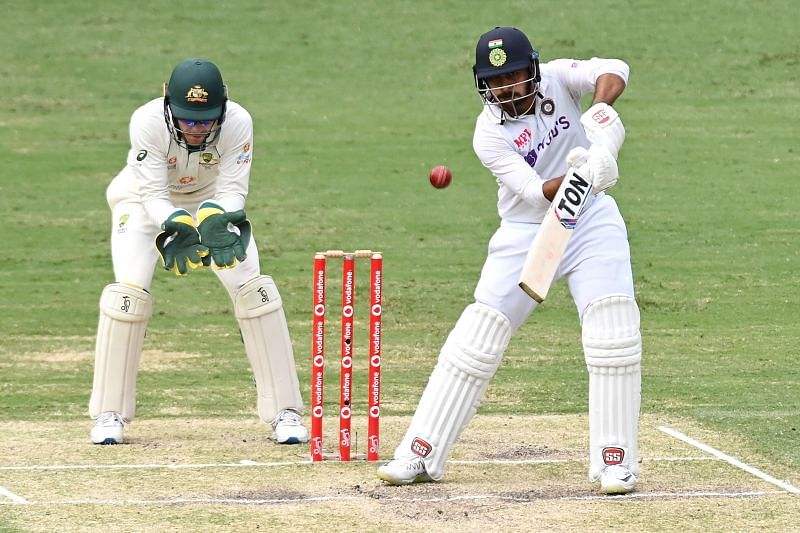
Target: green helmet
{"points": [[195, 91]]}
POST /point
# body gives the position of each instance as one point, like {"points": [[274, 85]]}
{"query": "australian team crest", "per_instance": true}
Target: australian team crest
{"points": [[197, 94], [207, 160], [121, 225]]}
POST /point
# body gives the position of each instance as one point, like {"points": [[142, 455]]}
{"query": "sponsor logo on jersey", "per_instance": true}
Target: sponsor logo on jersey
{"points": [[246, 148], [172, 163], [548, 107], [523, 138], [613, 456], [186, 180], [243, 159], [420, 447], [560, 124], [141, 155]]}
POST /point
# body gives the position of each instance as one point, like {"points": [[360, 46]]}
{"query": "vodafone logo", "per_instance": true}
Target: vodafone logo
{"points": [[347, 311], [319, 310], [345, 412], [374, 412], [375, 360], [317, 445], [317, 412], [376, 310]]}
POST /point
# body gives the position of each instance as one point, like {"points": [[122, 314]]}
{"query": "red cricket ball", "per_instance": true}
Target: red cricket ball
{"points": [[440, 176]]}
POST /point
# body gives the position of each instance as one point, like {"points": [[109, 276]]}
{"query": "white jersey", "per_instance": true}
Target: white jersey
{"points": [[164, 176], [523, 153]]}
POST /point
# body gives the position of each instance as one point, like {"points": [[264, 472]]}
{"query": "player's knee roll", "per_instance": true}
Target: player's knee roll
{"points": [[125, 303], [256, 298], [610, 332], [476, 344]]}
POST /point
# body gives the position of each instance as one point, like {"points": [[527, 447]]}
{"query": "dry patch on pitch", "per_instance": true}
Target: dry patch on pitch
{"points": [[152, 360], [506, 473]]}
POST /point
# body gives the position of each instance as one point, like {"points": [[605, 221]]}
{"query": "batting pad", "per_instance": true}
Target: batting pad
{"points": [[467, 362], [613, 349], [124, 312], [259, 310]]}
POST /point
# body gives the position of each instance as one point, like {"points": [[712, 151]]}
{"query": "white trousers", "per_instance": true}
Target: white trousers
{"points": [[596, 263]]}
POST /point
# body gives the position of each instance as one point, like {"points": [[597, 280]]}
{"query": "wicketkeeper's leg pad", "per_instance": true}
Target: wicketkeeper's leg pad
{"points": [[467, 362], [613, 349], [259, 310], [124, 313]]}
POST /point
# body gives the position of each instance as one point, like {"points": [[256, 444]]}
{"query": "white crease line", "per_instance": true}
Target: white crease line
{"points": [[730, 460], [11, 496], [247, 463], [244, 463], [381, 499]]}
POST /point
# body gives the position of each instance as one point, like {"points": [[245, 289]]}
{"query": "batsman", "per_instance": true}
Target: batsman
{"points": [[531, 133], [180, 199]]}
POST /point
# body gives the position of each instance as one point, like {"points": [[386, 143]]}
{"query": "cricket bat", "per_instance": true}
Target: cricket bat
{"points": [[550, 242]]}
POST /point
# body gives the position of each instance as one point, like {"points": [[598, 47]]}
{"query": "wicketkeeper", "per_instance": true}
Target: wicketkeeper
{"points": [[180, 199], [532, 129]]}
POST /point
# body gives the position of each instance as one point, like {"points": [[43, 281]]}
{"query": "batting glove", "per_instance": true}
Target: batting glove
{"points": [[179, 244], [603, 126], [598, 164], [226, 234], [602, 168]]}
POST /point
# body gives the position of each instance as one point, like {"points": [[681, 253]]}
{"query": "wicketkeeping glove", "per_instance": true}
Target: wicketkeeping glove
{"points": [[218, 231], [179, 244]]}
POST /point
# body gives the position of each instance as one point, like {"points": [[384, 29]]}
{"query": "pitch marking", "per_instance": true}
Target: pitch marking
{"points": [[247, 463], [11, 496], [434, 499], [730, 460]]}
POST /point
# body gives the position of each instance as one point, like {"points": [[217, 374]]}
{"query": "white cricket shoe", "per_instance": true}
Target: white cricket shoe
{"points": [[288, 428], [108, 429], [404, 471], [617, 479]]}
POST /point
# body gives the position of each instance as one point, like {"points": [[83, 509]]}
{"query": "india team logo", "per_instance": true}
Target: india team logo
{"points": [[497, 57], [548, 107]]}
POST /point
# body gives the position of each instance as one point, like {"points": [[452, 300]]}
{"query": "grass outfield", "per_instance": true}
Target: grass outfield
{"points": [[353, 102]]}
